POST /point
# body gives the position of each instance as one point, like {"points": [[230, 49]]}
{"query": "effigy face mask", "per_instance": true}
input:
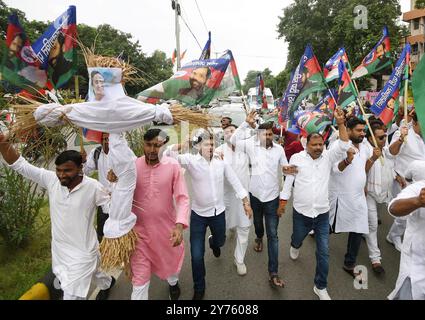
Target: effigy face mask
{"points": [[105, 84]]}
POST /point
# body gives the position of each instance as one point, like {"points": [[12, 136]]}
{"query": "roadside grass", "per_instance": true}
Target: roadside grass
{"points": [[21, 268]]}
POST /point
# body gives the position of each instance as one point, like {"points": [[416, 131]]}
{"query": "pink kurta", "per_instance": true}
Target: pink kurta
{"points": [[156, 189]]}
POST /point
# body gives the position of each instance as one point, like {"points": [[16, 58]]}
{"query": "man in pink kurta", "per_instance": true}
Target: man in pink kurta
{"points": [[161, 204]]}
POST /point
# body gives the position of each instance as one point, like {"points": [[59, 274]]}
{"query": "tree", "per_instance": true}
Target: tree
{"points": [[420, 4], [330, 25], [251, 79]]}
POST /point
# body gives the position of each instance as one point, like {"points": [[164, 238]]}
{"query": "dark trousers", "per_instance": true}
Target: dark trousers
{"points": [[302, 225], [267, 211], [198, 229], [101, 219], [353, 246]]}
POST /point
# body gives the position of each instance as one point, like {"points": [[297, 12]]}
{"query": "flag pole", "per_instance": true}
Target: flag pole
{"points": [[77, 96], [406, 93]]}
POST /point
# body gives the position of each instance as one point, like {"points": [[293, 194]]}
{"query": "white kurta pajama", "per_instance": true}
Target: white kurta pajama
{"points": [[75, 254], [235, 213], [412, 261], [348, 208], [379, 184]]}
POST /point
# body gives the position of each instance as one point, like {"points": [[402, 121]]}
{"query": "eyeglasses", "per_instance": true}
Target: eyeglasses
{"points": [[382, 137]]}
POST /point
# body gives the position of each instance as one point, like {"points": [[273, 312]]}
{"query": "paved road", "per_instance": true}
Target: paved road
{"points": [[223, 282]]}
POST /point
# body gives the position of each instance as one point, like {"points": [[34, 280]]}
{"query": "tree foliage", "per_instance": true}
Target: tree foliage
{"points": [[108, 41], [330, 25], [420, 4]]}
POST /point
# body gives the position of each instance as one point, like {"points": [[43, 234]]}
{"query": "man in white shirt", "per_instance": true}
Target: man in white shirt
{"points": [[207, 173], [73, 198], [235, 215], [407, 145], [311, 204], [410, 205], [267, 160], [348, 207], [97, 160], [380, 177]]}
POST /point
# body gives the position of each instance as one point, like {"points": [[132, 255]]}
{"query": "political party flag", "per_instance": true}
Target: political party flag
{"points": [[19, 69], [174, 56], [346, 91], [56, 48], [196, 83], [261, 95], [307, 79], [418, 86], [330, 70], [206, 52], [385, 103], [378, 59], [327, 104]]}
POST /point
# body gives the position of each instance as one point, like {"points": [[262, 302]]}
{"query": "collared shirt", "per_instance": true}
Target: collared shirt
{"points": [[311, 190], [74, 240], [266, 164], [410, 150], [208, 181]]}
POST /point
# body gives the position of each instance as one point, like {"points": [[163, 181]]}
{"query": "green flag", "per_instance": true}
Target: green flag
{"points": [[418, 86]]}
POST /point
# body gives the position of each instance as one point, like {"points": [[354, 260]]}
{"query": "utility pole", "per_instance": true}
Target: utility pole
{"points": [[176, 7]]}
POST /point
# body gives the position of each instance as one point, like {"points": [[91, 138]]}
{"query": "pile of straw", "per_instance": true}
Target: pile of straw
{"points": [[130, 74], [195, 118], [116, 253]]}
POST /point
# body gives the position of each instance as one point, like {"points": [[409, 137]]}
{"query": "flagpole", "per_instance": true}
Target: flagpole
{"points": [[406, 87], [77, 96]]}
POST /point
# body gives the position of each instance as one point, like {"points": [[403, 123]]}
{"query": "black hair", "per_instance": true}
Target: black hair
{"points": [[153, 133], [314, 135], [266, 126], [415, 117], [228, 118], [93, 73], [69, 155], [230, 125], [202, 135], [373, 127], [354, 121]]}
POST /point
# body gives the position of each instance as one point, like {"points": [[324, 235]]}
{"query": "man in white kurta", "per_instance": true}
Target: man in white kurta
{"points": [[407, 146], [235, 214], [348, 208], [75, 254], [410, 205]]}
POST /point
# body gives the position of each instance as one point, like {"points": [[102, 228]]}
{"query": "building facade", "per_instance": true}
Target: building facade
{"points": [[416, 20]]}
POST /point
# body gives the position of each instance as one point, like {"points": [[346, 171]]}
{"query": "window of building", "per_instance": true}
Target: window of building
{"points": [[416, 24], [415, 48]]}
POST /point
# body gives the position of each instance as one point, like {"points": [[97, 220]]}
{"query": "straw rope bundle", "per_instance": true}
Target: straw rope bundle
{"points": [[195, 118], [116, 253]]}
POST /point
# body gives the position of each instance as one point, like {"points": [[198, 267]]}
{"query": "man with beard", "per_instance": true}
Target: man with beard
{"points": [[73, 199], [61, 66], [161, 204], [348, 208], [207, 173], [235, 215], [198, 79], [311, 204]]}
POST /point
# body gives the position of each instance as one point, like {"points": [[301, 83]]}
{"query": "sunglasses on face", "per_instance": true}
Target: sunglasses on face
{"points": [[382, 137]]}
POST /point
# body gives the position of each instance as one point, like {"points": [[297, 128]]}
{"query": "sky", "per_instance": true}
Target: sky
{"points": [[247, 27]]}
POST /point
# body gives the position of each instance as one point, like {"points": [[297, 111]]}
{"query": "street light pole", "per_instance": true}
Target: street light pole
{"points": [[176, 7]]}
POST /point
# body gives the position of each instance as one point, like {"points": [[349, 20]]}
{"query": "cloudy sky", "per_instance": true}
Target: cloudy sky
{"points": [[247, 27]]}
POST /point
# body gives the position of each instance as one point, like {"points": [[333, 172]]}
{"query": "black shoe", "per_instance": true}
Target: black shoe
{"points": [[104, 294], [198, 295], [378, 269], [379, 221], [174, 292], [216, 251]]}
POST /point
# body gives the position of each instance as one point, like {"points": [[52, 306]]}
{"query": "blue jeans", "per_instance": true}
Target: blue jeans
{"points": [[198, 229], [353, 247], [268, 211], [302, 226]]}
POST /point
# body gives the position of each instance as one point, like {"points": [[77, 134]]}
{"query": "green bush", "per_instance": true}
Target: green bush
{"points": [[20, 203]]}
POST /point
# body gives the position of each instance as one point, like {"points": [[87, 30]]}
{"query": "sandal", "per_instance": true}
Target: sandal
{"points": [[276, 282], [258, 247]]}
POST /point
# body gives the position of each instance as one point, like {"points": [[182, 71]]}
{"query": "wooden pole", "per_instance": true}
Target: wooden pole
{"points": [[77, 96]]}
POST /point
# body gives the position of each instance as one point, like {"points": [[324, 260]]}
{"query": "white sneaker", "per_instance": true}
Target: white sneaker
{"points": [[322, 293], [294, 253], [240, 268], [311, 233]]}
